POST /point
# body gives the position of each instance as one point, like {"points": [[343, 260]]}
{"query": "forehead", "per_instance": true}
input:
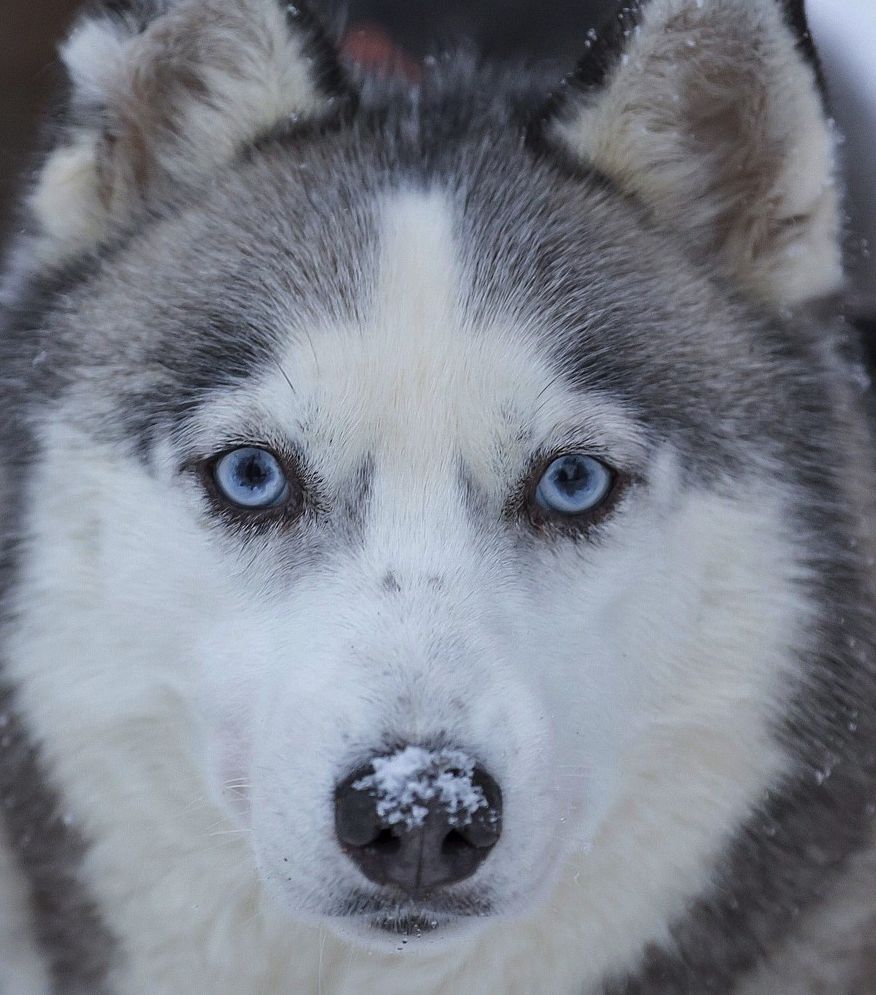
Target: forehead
{"points": [[374, 275], [419, 377]]}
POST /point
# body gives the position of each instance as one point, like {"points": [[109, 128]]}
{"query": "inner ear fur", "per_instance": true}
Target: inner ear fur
{"points": [[165, 91], [710, 113]]}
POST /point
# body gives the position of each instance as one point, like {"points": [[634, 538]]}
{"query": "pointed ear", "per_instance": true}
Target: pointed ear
{"points": [[162, 93], [709, 112]]}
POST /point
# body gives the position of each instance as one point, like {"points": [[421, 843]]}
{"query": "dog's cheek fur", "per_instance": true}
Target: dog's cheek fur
{"points": [[121, 724], [688, 603]]}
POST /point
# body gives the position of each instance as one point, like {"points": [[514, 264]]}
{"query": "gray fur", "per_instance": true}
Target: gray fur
{"points": [[289, 231], [68, 925], [78, 945]]}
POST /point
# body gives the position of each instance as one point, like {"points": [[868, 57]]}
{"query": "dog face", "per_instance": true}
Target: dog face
{"points": [[424, 482]]}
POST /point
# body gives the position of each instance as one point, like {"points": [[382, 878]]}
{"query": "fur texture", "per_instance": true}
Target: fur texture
{"points": [[417, 298], [712, 119]]}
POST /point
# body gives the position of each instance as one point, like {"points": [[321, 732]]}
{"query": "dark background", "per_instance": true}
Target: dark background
{"points": [[29, 30], [537, 29]]}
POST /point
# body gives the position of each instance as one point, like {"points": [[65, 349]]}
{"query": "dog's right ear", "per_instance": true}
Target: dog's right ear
{"points": [[162, 93]]}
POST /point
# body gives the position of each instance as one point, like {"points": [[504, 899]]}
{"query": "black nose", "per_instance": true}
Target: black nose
{"points": [[418, 819]]}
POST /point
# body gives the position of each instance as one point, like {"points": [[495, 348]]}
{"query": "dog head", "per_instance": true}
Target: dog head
{"points": [[439, 458]]}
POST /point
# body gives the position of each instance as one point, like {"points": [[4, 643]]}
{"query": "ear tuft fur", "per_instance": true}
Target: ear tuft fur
{"points": [[710, 113], [163, 92]]}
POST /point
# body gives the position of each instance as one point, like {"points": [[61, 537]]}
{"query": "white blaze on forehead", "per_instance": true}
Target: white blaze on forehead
{"points": [[418, 383], [426, 378]]}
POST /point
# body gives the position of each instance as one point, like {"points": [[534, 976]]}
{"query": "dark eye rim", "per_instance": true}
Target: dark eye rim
{"points": [[291, 506], [545, 519]]}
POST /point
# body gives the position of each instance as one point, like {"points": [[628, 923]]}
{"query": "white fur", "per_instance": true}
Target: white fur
{"points": [[94, 55], [67, 203], [621, 692]]}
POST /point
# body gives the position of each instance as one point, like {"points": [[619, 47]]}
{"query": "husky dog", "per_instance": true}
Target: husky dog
{"points": [[438, 522]]}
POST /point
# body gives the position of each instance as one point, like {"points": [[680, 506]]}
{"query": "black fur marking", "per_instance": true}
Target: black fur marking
{"points": [[867, 326], [795, 15], [354, 503], [329, 75], [389, 583], [292, 131], [604, 45], [560, 158]]}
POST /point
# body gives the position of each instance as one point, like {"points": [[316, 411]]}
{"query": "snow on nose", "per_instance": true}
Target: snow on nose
{"points": [[418, 819]]}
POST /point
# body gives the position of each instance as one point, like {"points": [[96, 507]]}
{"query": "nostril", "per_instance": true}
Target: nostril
{"points": [[481, 833], [356, 820], [386, 842], [454, 843]]}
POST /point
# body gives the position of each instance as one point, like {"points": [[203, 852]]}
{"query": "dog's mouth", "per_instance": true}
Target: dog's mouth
{"points": [[407, 926], [413, 920]]}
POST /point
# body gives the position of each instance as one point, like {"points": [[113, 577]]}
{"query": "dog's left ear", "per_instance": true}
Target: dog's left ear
{"points": [[709, 112]]}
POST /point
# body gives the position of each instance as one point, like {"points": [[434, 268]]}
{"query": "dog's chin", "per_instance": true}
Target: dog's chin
{"points": [[417, 931], [388, 927]]}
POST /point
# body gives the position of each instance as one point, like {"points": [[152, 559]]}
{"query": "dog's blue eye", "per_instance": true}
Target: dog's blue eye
{"points": [[574, 485], [251, 478]]}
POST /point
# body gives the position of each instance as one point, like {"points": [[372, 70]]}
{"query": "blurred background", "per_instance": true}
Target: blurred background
{"points": [[845, 31]]}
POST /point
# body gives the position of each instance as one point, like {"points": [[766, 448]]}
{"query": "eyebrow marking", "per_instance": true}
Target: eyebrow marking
{"points": [[355, 503], [389, 583]]}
